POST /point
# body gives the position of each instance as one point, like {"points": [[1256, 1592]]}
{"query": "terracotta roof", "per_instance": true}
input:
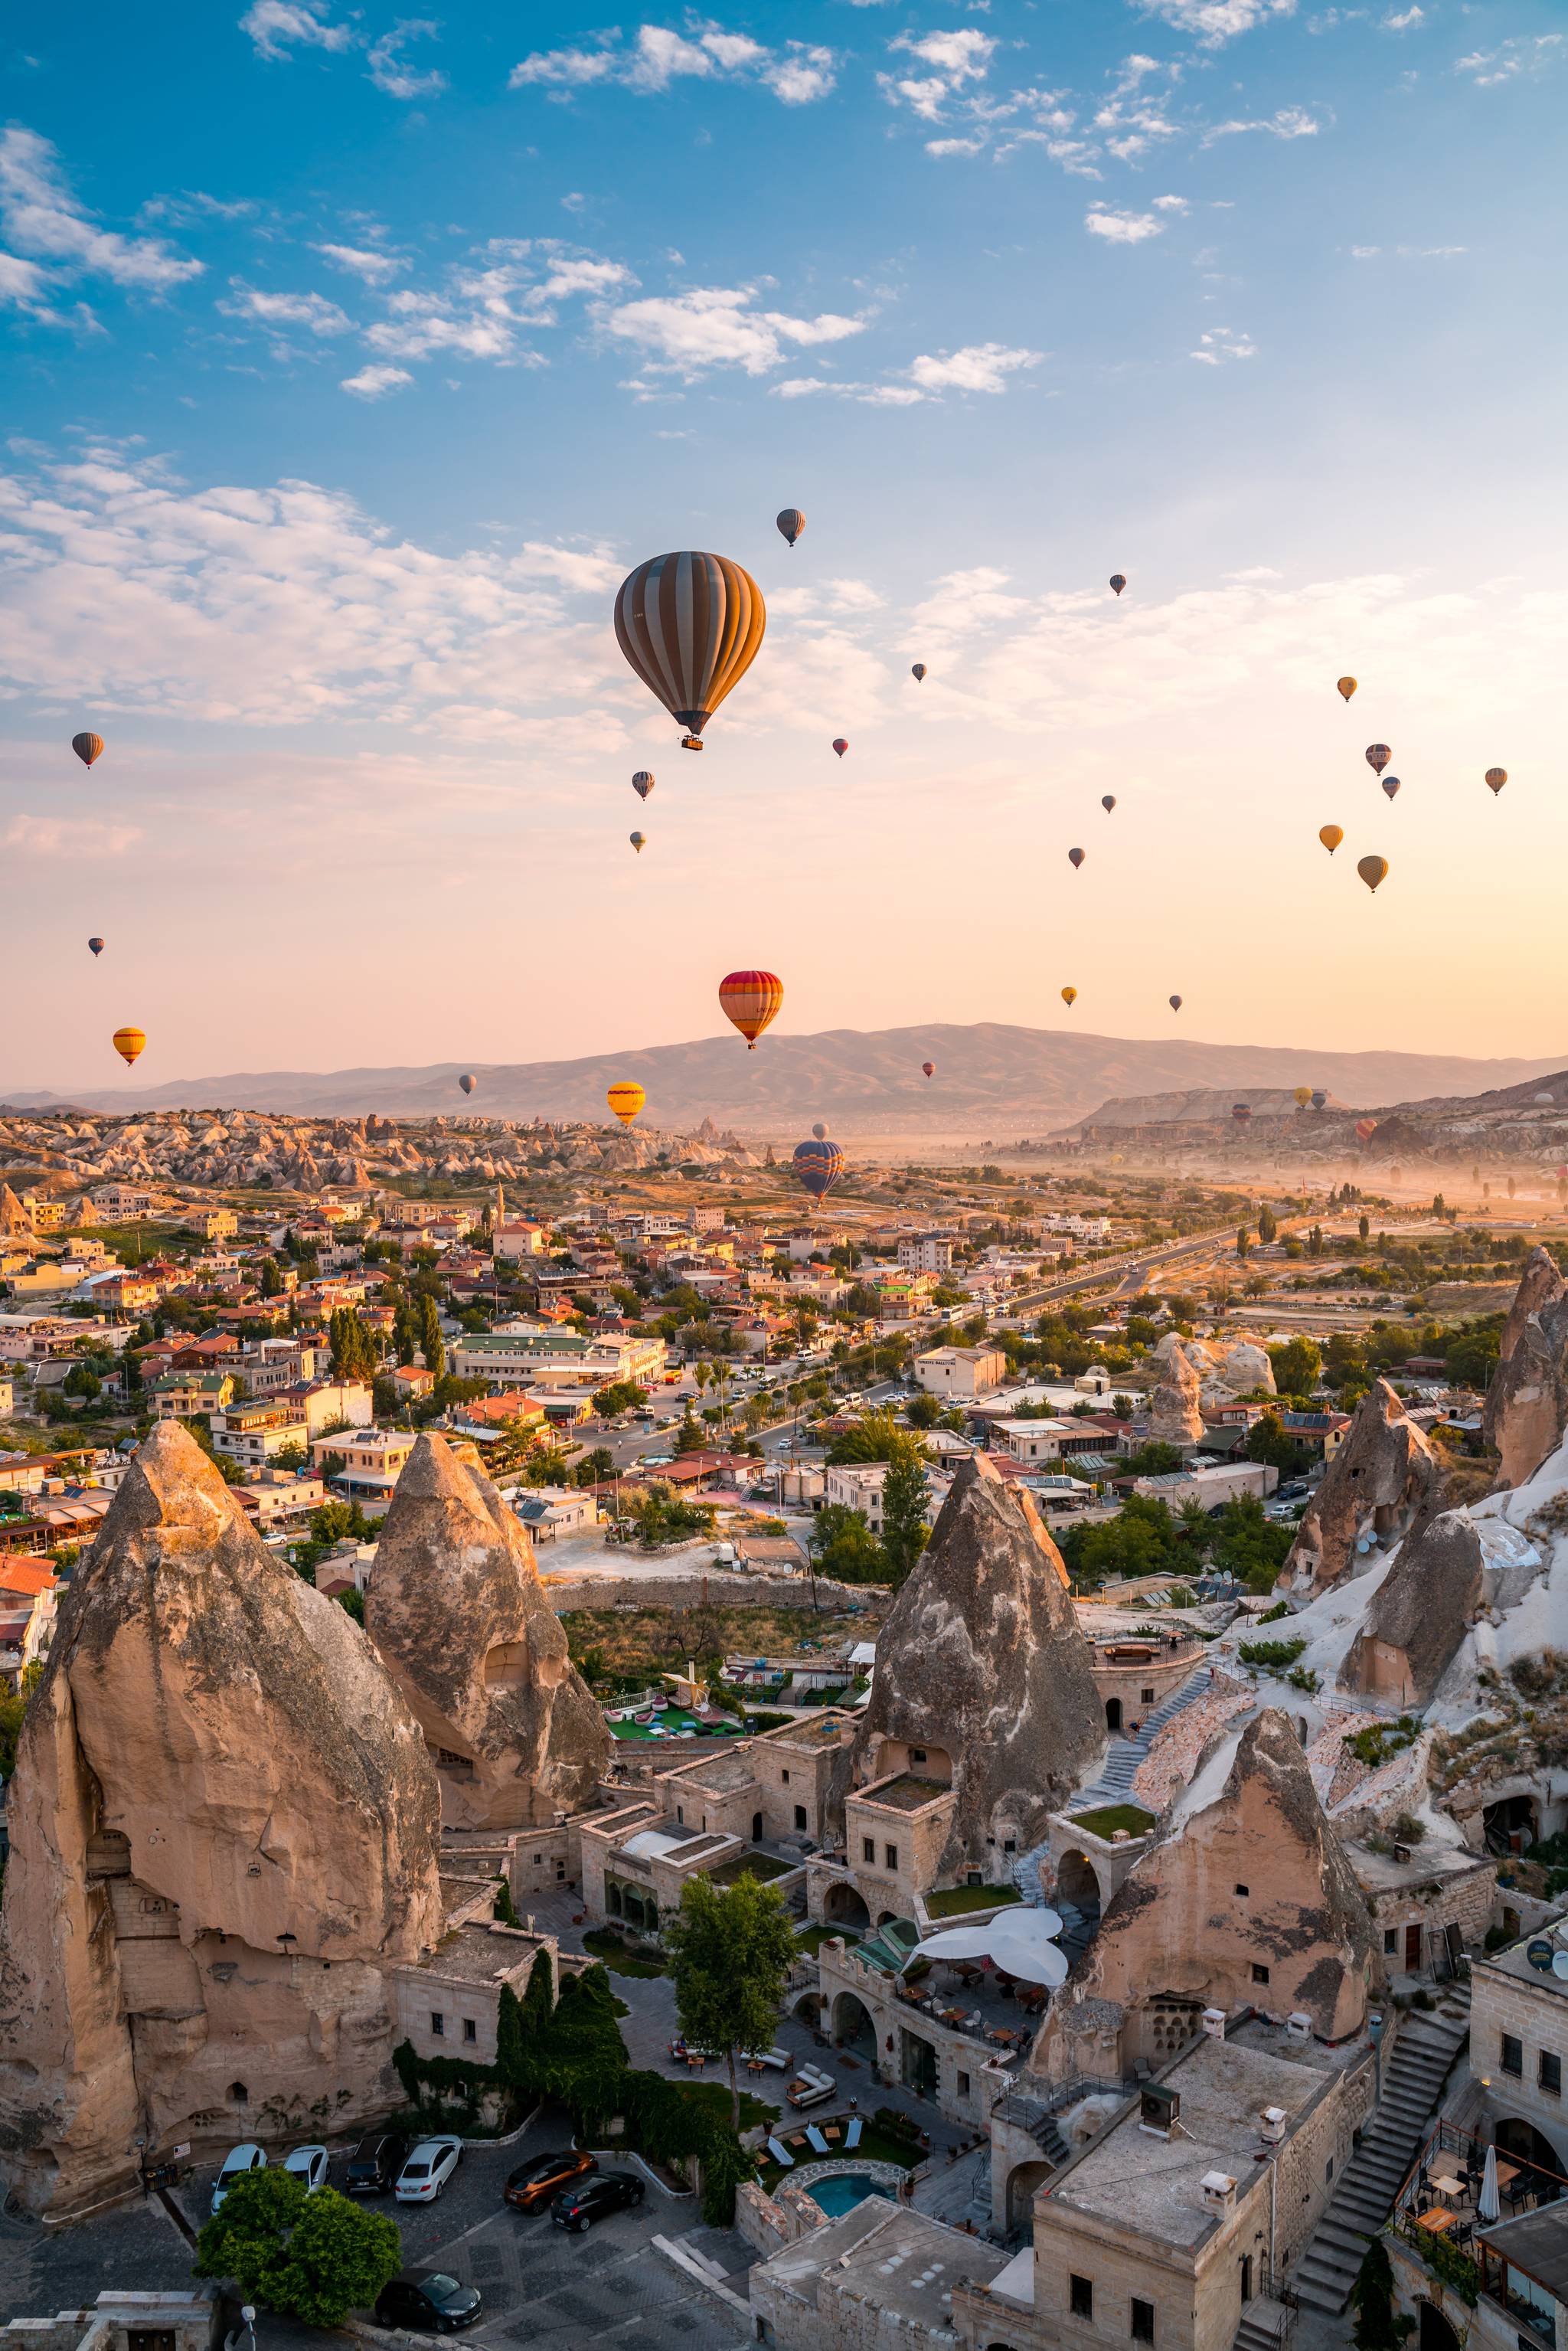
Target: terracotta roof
{"points": [[27, 1575]]}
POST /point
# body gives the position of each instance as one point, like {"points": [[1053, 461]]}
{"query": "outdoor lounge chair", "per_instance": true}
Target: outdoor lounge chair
{"points": [[852, 2136], [781, 2155], [816, 2140]]}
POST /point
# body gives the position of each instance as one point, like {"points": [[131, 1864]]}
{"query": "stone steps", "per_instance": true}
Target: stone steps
{"points": [[1115, 1785]]}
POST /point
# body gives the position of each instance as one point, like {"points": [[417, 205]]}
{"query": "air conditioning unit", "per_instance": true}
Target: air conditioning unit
{"points": [[1159, 2108], [1214, 2023], [1299, 2026], [1271, 2122], [1219, 2192]]}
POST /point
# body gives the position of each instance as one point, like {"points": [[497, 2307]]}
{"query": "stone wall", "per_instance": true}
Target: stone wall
{"points": [[1536, 2014], [715, 1586]]}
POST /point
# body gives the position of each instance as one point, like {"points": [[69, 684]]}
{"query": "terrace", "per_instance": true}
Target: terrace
{"points": [[1442, 2198]]}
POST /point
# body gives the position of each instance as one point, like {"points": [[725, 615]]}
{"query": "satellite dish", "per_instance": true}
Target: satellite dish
{"points": [[1541, 1955], [1560, 1966]]}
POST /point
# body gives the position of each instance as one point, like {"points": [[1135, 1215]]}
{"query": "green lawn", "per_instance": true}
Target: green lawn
{"points": [[760, 1866], [957, 1899], [617, 1958], [1112, 1817], [811, 1939], [875, 2147]]}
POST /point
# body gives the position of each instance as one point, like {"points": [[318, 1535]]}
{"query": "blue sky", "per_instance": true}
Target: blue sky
{"points": [[351, 358]]}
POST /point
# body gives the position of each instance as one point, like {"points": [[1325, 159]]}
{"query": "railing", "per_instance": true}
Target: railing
{"points": [[1456, 2250]]}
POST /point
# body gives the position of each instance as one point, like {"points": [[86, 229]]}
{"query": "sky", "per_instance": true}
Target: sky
{"points": [[350, 360]]}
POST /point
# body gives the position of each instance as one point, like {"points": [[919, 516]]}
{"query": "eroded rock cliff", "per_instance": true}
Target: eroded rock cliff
{"points": [[1419, 1613], [1527, 1403], [1384, 1478]]}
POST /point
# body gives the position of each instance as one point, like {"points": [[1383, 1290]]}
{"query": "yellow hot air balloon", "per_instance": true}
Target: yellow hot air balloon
{"points": [[626, 1098], [1331, 835], [1372, 870], [128, 1043], [690, 625], [1070, 997], [1496, 778], [637, 839], [1303, 1096], [1346, 686]]}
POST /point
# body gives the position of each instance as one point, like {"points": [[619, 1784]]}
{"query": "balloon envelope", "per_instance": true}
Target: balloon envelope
{"points": [[1118, 581], [917, 671], [1175, 1003], [1391, 785], [88, 748], [1331, 835], [840, 745], [128, 1043], [1372, 870], [1346, 686], [97, 945], [749, 999], [1240, 1111], [1108, 802], [1496, 778], [821, 1132], [690, 625], [636, 840], [929, 1068], [626, 1098], [1319, 1097], [1070, 997], [1303, 1096], [642, 783], [791, 523], [1378, 754], [1076, 857], [467, 1081], [819, 1164], [1366, 1128]]}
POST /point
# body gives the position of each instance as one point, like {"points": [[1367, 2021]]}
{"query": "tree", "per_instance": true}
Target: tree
{"points": [[82, 1381], [1250, 1545], [1272, 1441], [730, 1951], [1243, 1240], [619, 1396], [1143, 1539], [315, 2257], [922, 1411], [904, 1530], [842, 1545], [1377, 2327], [353, 1600], [594, 1467], [271, 1283], [1316, 1241], [1363, 1224], [430, 1341], [1296, 1367], [689, 1436], [1153, 1460], [1268, 1224], [875, 1437]]}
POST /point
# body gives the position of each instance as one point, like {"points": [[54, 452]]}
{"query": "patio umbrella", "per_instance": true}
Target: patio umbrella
{"points": [[1020, 1942], [1490, 2206]]}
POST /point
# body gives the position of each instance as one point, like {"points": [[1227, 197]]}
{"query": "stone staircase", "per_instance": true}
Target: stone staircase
{"points": [[1264, 2326], [1413, 2083], [1115, 1785]]}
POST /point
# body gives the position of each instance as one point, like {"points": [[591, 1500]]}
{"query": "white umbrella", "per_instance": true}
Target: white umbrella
{"points": [[1489, 2207], [1020, 1942]]}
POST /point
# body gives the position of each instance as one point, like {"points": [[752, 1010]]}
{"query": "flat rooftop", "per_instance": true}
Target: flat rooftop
{"points": [[722, 1775], [1138, 2180], [1517, 1962], [479, 1953], [1380, 1873], [906, 1793], [827, 1732], [891, 2258]]}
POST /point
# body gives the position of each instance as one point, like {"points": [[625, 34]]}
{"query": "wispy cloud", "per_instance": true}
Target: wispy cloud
{"points": [[363, 262], [1214, 22], [312, 312], [1122, 228], [796, 73], [689, 334], [1223, 343], [279, 28], [1523, 54], [1405, 21], [1286, 123], [376, 382], [388, 69], [45, 222], [72, 837], [945, 63], [978, 367]]}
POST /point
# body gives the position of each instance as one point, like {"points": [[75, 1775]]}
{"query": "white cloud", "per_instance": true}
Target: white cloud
{"points": [[362, 262], [1122, 228], [1221, 343], [978, 367], [952, 61], [483, 304], [713, 326], [797, 74], [21, 282], [72, 837], [312, 313], [1217, 21], [392, 74], [277, 28], [1171, 205], [43, 220], [1523, 54], [375, 382], [1288, 122], [1405, 21]]}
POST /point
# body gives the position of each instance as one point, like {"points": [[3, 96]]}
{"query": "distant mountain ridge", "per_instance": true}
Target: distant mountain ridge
{"points": [[991, 1079]]}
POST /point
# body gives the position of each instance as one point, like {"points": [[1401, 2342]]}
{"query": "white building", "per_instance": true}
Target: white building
{"points": [[927, 1252], [961, 1372]]}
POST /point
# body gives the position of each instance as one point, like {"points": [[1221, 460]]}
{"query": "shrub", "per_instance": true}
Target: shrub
{"points": [[1273, 1654], [316, 2257]]}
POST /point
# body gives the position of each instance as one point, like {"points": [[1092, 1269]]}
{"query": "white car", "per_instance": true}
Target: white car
{"points": [[428, 2169], [308, 2165], [239, 2161]]}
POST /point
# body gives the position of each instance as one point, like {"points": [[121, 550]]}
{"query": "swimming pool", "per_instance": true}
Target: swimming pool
{"points": [[840, 2192]]}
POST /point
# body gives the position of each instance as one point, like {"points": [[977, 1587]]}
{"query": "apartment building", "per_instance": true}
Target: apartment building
{"points": [[925, 1253]]}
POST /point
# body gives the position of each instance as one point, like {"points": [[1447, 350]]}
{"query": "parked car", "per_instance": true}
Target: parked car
{"points": [[531, 2186], [246, 2156], [428, 2169], [811, 2086], [308, 2165], [376, 2163], [427, 2299], [595, 2199]]}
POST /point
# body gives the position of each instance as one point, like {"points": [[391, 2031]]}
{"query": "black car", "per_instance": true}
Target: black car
{"points": [[376, 2163], [427, 2299], [595, 2198]]}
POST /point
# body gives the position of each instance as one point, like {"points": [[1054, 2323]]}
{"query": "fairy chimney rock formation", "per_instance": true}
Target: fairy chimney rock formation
{"points": [[223, 1829], [1419, 1614], [1248, 1877], [1527, 1403], [981, 1664], [456, 1609], [1176, 1408], [1383, 1477]]}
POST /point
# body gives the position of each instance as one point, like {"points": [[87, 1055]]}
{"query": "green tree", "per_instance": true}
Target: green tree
{"points": [[82, 1381], [353, 1601], [1316, 1241], [1363, 1224], [1143, 1539], [314, 2257], [271, 1283], [1296, 1367], [1377, 2327], [875, 1437], [1268, 1224], [1243, 1240], [922, 1411], [1156, 1459], [843, 1546], [430, 1340], [1248, 1545], [730, 1949], [619, 1396], [595, 1467], [904, 1530], [1270, 1441]]}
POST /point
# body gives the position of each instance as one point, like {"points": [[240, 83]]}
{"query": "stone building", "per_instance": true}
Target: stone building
{"points": [[1427, 1902], [879, 2278], [1519, 2048]]}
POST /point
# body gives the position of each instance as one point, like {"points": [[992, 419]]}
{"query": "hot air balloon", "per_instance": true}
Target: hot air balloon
{"points": [[690, 625], [97, 945], [1118, 581], [88, 748], [1391, 785], [929, 1069], [1496, 778], [1378, 754], [1242, 1113], [128, 1043], [467, 1081], [1108, 802], [1175, 1003], [1372, 870], [1366, 1128], [1070, 997], [1346, 686], [1331, 835], [820, 1131], [1076, 857], [917, 671], [637, 839], [791, 523], [750, 999], [643, 782], [626, 1098], [819, 1164], [840, 745], [1319, 1097], [1543, 1098], [1303, 1096]]}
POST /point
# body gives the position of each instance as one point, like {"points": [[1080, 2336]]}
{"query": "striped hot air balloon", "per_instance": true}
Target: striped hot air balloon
{"points": [[1242, 1113], [819, 1164], [1496, 778], [1378, 754], [690, 625], [637, 840], [88, 748], [128, 1043], [626, 1098], [1366, 1128], [749, 999], [643, 782]]}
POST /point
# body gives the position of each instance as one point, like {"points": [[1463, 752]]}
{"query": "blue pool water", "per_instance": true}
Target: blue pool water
{"points": [[840, 2192]]}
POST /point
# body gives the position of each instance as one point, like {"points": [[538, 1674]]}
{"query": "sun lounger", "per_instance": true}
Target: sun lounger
{"points": [[781, 2155], [852, 2136], [817, 2140]]}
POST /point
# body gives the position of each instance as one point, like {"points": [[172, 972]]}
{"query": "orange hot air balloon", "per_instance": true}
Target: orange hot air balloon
{"points": [[840, 745], [1070, 997], [1346, 686], [750, 999], [128, 1043], [1372, 870], [1331, 835], [917, 671], [1303, 1096], [1378, 754], [1366, 1128], [1076, 857], [626, 1098], [1496, 778], [690, 625], [88, 748], [929, 1069]]}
